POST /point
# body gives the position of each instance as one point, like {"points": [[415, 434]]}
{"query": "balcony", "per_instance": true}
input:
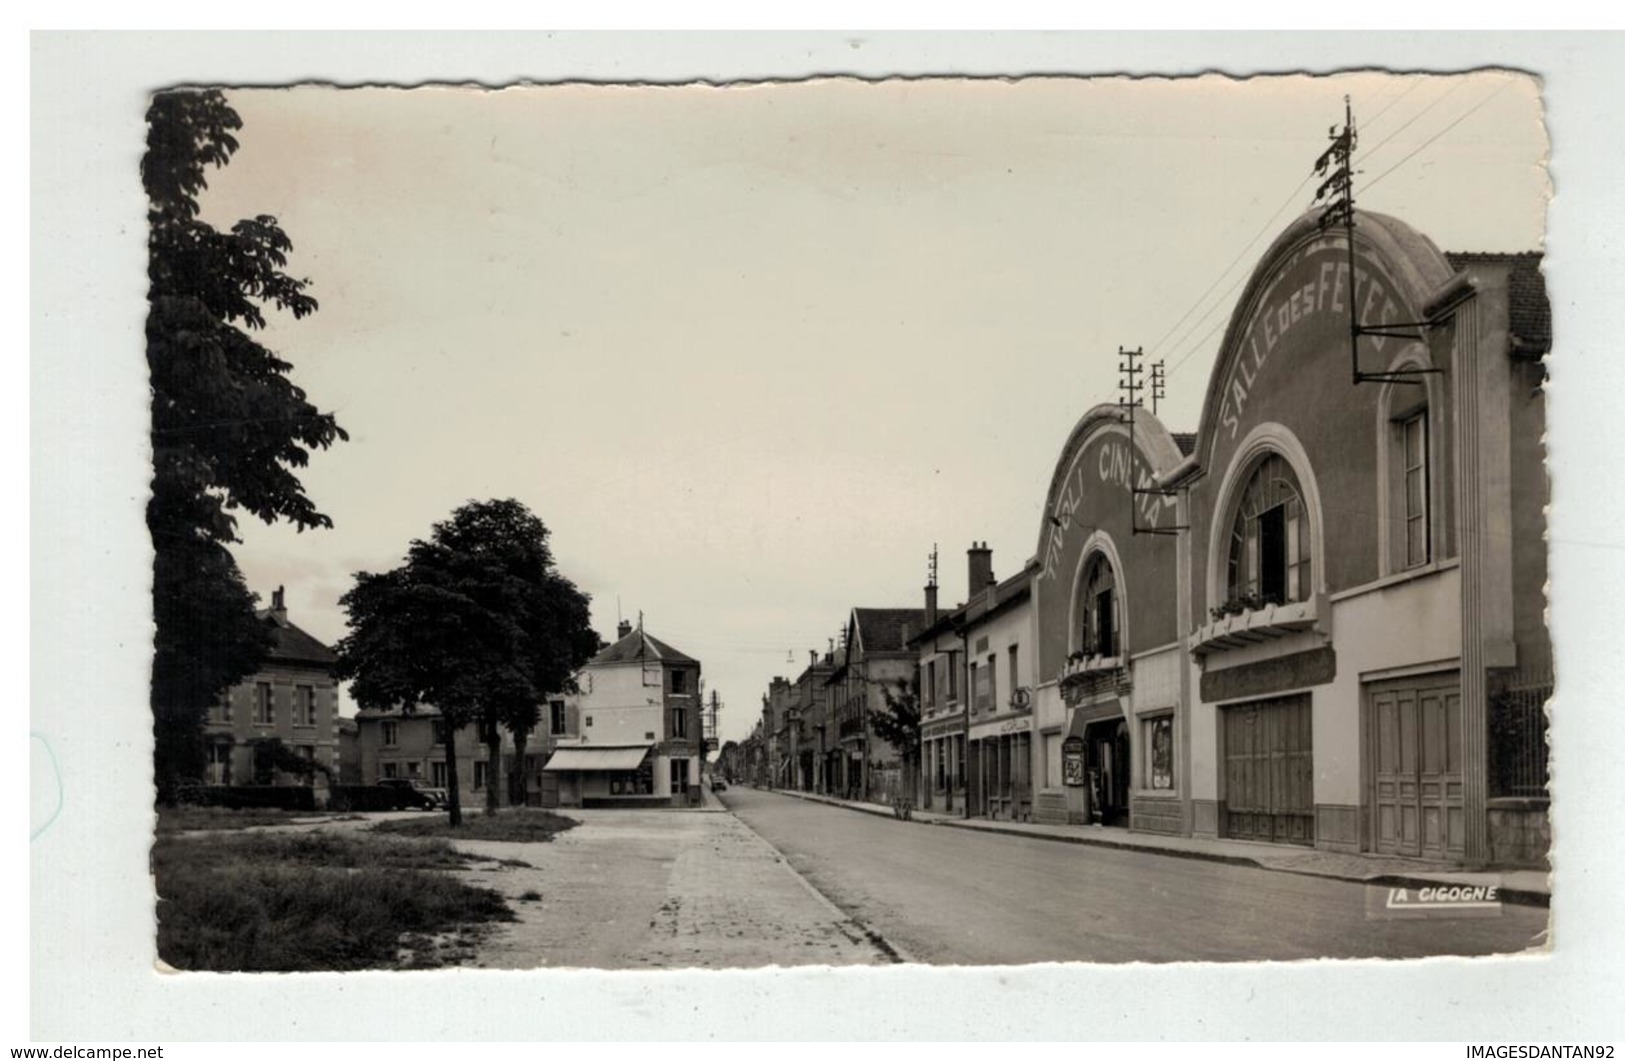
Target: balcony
{"points": [[1267, 622], [1090, 675]]}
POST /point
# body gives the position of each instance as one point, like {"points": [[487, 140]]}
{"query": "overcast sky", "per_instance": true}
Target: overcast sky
{"points": [[749, 351]]}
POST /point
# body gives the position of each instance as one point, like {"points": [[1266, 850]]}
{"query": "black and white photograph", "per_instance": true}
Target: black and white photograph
{"points": [[806, 525]]}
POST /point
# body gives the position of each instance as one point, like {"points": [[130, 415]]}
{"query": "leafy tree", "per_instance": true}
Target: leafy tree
{"points": [[228, 426], [477, 622], [899, 724]]}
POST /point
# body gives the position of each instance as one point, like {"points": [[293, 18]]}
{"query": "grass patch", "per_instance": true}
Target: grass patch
{"points": [[185, 819], [307, 901], [518, 825], [320, 848]]}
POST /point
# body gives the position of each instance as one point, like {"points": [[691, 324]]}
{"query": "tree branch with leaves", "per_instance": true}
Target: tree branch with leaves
{"points": [[228, 425]]}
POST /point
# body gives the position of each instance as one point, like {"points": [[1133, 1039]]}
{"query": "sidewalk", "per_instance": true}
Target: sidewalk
{"points": [[1526, 887]]}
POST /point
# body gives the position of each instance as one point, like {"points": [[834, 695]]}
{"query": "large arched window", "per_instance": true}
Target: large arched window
{"points": [[1099, 631], [1269, 541]]}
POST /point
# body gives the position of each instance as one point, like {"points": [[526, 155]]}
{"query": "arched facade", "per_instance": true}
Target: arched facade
{"points": [[1339, 639], [1106, 605]]}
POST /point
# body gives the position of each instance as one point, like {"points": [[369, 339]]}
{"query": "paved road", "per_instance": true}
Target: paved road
{"points": [[955, 896]]}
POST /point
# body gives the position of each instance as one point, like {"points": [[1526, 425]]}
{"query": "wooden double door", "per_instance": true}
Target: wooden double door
{"points": [[1414, 733], [1269, 771]]}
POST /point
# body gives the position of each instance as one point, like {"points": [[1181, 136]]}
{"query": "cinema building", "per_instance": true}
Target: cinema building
{"points": [[1360, 587], [1107, 603]]}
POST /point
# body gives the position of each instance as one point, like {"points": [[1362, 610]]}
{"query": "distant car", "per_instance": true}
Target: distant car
{"points": [[410, 792], [718, 785]]}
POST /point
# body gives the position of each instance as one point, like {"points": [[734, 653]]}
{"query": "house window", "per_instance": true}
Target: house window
{"points": [[1157, 740], [931, 684], [1014, 681], [1098, 626], [307, 752], [437, 773], [437, 730], [264, 704], [304, 705], [953, 676], [978, 684], [993, 682], [219, 766], [221, 710], [556, 717], [392, 734], [391, 770], [679, 682], [414, 769], [479, 774], [679, 722], [1269, 542], [1414, 450]]}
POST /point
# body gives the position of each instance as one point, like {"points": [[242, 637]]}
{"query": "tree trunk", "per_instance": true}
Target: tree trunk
{"points": [[518, 794], [454, 799], [493, 769]]}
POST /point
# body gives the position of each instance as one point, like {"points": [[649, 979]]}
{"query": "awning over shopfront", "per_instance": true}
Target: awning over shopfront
{"points": [[1088, 713], [599, 759]]}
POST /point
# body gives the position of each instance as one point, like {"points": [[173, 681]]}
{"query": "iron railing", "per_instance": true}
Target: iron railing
{"points": [[1518, 748]]}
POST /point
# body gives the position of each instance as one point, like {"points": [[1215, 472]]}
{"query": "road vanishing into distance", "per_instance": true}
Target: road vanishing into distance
{"points": [[948, 895]]}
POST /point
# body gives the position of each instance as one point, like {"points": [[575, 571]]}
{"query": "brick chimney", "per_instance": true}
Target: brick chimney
{"points": [[624, 630], [279, 606], [931, 604], [980, 566]]}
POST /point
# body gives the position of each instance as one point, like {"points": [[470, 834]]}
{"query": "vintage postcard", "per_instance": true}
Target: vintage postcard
{"points": [[848, 522]]}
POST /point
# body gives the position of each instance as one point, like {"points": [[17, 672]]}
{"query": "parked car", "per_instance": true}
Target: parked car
{"points": [[718, 784], [410, 792]]}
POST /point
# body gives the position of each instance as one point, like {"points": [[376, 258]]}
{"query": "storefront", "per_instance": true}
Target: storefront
{"points": [[603, 776]]}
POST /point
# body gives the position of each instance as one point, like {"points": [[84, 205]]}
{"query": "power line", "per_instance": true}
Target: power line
{"points": [[1468, 114]]}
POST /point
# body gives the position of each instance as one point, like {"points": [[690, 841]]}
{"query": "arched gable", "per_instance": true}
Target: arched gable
{"points": [[1297, 297], [1090, 500], [1285, 362]]}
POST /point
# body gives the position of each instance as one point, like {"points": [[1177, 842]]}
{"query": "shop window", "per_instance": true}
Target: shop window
{"points": [[1099, 626], [679, 777], [1269, 542], [1157, 744]]}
